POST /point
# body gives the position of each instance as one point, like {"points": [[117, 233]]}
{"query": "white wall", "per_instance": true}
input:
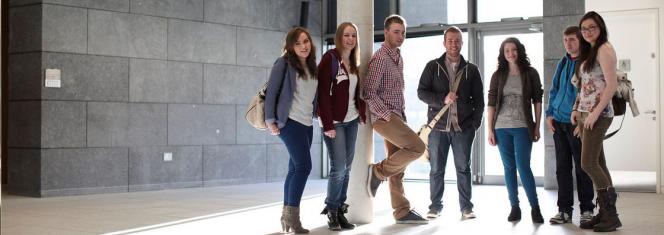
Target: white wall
{"points": [[616, 5]]}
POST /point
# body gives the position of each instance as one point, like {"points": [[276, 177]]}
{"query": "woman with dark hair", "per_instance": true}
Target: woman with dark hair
{"points": [[290, 106], [515, 90], [340, 109], [594, 112]]}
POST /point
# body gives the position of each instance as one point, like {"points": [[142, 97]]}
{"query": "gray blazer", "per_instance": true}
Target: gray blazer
{"points": [[280, 90]]}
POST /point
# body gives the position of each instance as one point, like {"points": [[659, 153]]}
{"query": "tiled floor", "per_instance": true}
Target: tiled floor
{"points": [[255, 209]]}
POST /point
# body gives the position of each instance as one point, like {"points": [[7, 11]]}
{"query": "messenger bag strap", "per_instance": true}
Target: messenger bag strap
{"points": [[447, 106]]}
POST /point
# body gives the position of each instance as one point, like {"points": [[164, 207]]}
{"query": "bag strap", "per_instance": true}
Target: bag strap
{"points": [[455, 86], [616, 131]]}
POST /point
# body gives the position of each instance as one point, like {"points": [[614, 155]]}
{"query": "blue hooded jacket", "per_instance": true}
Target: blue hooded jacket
{"points": [[562, 93]]}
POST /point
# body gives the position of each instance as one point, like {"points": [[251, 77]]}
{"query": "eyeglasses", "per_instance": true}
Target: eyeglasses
{"points": [[589, 29]]}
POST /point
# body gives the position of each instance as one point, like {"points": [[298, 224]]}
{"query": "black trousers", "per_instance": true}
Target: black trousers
{"points": [[568, 158]]}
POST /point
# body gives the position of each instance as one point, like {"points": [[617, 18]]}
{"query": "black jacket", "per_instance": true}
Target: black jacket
{"points": [[435, 85]]}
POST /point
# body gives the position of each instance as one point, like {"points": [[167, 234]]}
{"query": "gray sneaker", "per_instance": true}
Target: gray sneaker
{"points": [[433, 213], [586, 216], [372, 182], [468, 214], [412, 218], [561, 218]]}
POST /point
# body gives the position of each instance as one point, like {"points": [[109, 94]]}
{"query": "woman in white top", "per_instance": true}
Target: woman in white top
{"points": [[339, 110], [290, 105], [593, 112]]}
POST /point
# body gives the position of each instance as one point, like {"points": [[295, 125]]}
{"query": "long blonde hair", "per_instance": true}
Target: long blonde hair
{"points": [[355, 52]]}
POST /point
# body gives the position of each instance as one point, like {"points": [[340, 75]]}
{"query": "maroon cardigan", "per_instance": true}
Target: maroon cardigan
{"points": [[333, 107]]}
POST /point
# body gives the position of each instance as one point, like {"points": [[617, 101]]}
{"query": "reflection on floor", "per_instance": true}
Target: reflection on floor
{"points": [[255, 209]]}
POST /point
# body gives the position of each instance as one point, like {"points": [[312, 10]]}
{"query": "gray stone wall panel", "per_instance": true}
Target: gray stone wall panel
{"points": [[84, 168], [89, 78], [122, 124], [127, 35], [563, 7], [24, 175], [149, 171], [165, 81], [229, 84], [63, 124], [201, 124], [259, 47], [24, 124], [24, 76], [64, 29], [181, 9], [234, 164], [25, 29], [201, 42], [250, 13]]}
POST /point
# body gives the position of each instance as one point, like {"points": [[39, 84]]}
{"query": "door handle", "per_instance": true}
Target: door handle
{"points": [[651, 112]]}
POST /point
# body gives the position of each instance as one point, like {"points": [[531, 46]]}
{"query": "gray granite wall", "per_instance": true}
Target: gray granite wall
{"points": [[558, 15], [141, 78]]}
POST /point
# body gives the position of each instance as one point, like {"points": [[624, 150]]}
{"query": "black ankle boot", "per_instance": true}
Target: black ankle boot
{"points": [[536, 215], [515, 214], [609, 220], [343, 222], [333, 220]]}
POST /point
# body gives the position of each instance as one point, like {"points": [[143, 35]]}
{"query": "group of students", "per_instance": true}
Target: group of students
{"points": [[298, 91]]}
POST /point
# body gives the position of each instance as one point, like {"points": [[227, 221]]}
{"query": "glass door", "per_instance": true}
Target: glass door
{"points": [[490, 165]]}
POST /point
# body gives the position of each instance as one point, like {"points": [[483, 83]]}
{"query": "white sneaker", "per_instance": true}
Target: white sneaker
{"points": [[561, 218], [586, 216], [468, 214]]}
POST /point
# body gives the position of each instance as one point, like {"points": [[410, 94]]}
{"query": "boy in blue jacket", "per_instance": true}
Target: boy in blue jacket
{"points": [[568, 147]]}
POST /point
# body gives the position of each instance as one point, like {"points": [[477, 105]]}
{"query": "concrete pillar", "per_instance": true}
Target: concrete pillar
{"points": [[558, 15], [361, 204]]}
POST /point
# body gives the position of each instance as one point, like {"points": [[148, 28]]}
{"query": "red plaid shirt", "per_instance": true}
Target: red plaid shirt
{"points": [[384, 86]]}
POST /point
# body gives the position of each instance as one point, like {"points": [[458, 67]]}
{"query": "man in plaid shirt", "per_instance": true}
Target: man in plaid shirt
{"points": [[384, 87]]}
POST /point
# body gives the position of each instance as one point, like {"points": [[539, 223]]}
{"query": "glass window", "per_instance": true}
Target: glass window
{"points": [[487, 9], [533, 43], [416, 53], [419, 12]]}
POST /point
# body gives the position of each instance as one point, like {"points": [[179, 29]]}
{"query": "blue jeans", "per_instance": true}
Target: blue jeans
{"points": [[568, 151], [515, 145], [297, 138], [439, 146], [341, 151]]}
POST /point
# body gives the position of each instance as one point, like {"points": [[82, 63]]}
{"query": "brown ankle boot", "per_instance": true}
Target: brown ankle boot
{"points": [[609, 221], [284, 227], [293, 220]]}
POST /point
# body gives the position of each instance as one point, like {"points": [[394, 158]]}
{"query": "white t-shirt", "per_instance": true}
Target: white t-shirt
{"points": [[352, 113], [302, 108]]}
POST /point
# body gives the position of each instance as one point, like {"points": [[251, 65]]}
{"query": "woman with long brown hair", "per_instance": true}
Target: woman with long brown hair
{"points": [[594, 113], [515, 91], [290, 106]]}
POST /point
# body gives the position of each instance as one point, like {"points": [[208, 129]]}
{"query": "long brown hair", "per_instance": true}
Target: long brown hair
{"points": [[291, 57], [522, 61], [355, 52], [588, 52]]}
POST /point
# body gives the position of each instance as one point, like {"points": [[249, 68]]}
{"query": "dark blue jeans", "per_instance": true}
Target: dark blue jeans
{"points": [[439, 146], [297, 138], [568, 153], [515, 145], [341, 151]]}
